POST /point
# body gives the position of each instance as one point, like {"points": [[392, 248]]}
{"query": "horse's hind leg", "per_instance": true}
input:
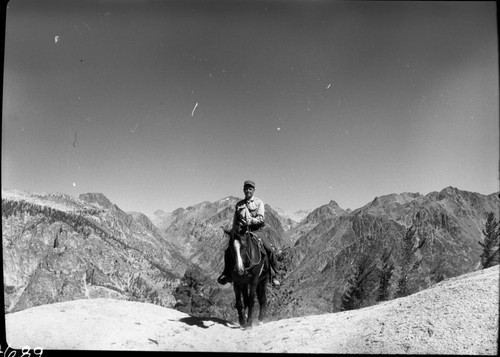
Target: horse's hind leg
{"points": [[262, 297], [239, 305]]}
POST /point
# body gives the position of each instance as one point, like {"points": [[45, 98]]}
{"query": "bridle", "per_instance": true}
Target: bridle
{"points": [[250, 235]]}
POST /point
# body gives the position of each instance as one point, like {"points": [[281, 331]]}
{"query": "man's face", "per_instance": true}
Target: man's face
{"points": [[248, 190]]}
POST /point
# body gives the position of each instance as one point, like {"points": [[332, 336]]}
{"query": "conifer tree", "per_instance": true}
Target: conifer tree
{"points": [[355, 290], [490, 244], [385, 274], [409, 261]]}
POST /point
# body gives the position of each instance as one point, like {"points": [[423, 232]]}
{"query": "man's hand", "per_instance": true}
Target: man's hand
{"points": [[247, 222]]}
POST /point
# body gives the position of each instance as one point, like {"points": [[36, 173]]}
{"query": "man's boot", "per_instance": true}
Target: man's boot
{"points": [[224, 279], [272, 263], [272, 278], [226, 274]]}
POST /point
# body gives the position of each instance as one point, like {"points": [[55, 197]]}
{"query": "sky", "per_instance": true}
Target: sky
{"points": [[165, 104]]}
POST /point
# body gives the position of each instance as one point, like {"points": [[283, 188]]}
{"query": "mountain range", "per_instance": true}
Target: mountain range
{"points": [[333, 245], [57, 248]]}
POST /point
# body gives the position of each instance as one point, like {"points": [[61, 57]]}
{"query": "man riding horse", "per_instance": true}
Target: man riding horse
{"points": [[248, 217]]}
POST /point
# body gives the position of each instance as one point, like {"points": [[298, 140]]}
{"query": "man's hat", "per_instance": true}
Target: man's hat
{"points": [[249, 182]]}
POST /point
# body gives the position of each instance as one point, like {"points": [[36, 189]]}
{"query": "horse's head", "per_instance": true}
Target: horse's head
{"points": [[249, 249]]}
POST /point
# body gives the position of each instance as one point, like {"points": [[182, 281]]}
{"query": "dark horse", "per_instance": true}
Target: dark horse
{"points": [[250, 276]]}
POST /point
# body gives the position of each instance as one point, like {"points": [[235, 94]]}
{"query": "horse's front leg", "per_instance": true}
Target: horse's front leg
{"points": [[239, 305], [239, 261], [251, 301]]}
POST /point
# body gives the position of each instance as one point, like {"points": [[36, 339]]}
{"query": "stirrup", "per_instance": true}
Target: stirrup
{"points": [[223, 279]]}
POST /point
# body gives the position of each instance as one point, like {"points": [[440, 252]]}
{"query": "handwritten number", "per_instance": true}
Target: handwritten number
{"points": [[5, 353], [12, 354], [25, 350]]}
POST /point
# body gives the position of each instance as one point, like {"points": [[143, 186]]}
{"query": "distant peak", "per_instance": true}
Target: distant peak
{"points": [[334, 204], [96, 197], [228, 198], [448, 192], [159, 212], [178, 211], [400, 198], [135, 214]]}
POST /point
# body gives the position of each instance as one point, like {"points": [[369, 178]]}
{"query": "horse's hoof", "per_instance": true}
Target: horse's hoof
{"points": [[247, 327]]}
